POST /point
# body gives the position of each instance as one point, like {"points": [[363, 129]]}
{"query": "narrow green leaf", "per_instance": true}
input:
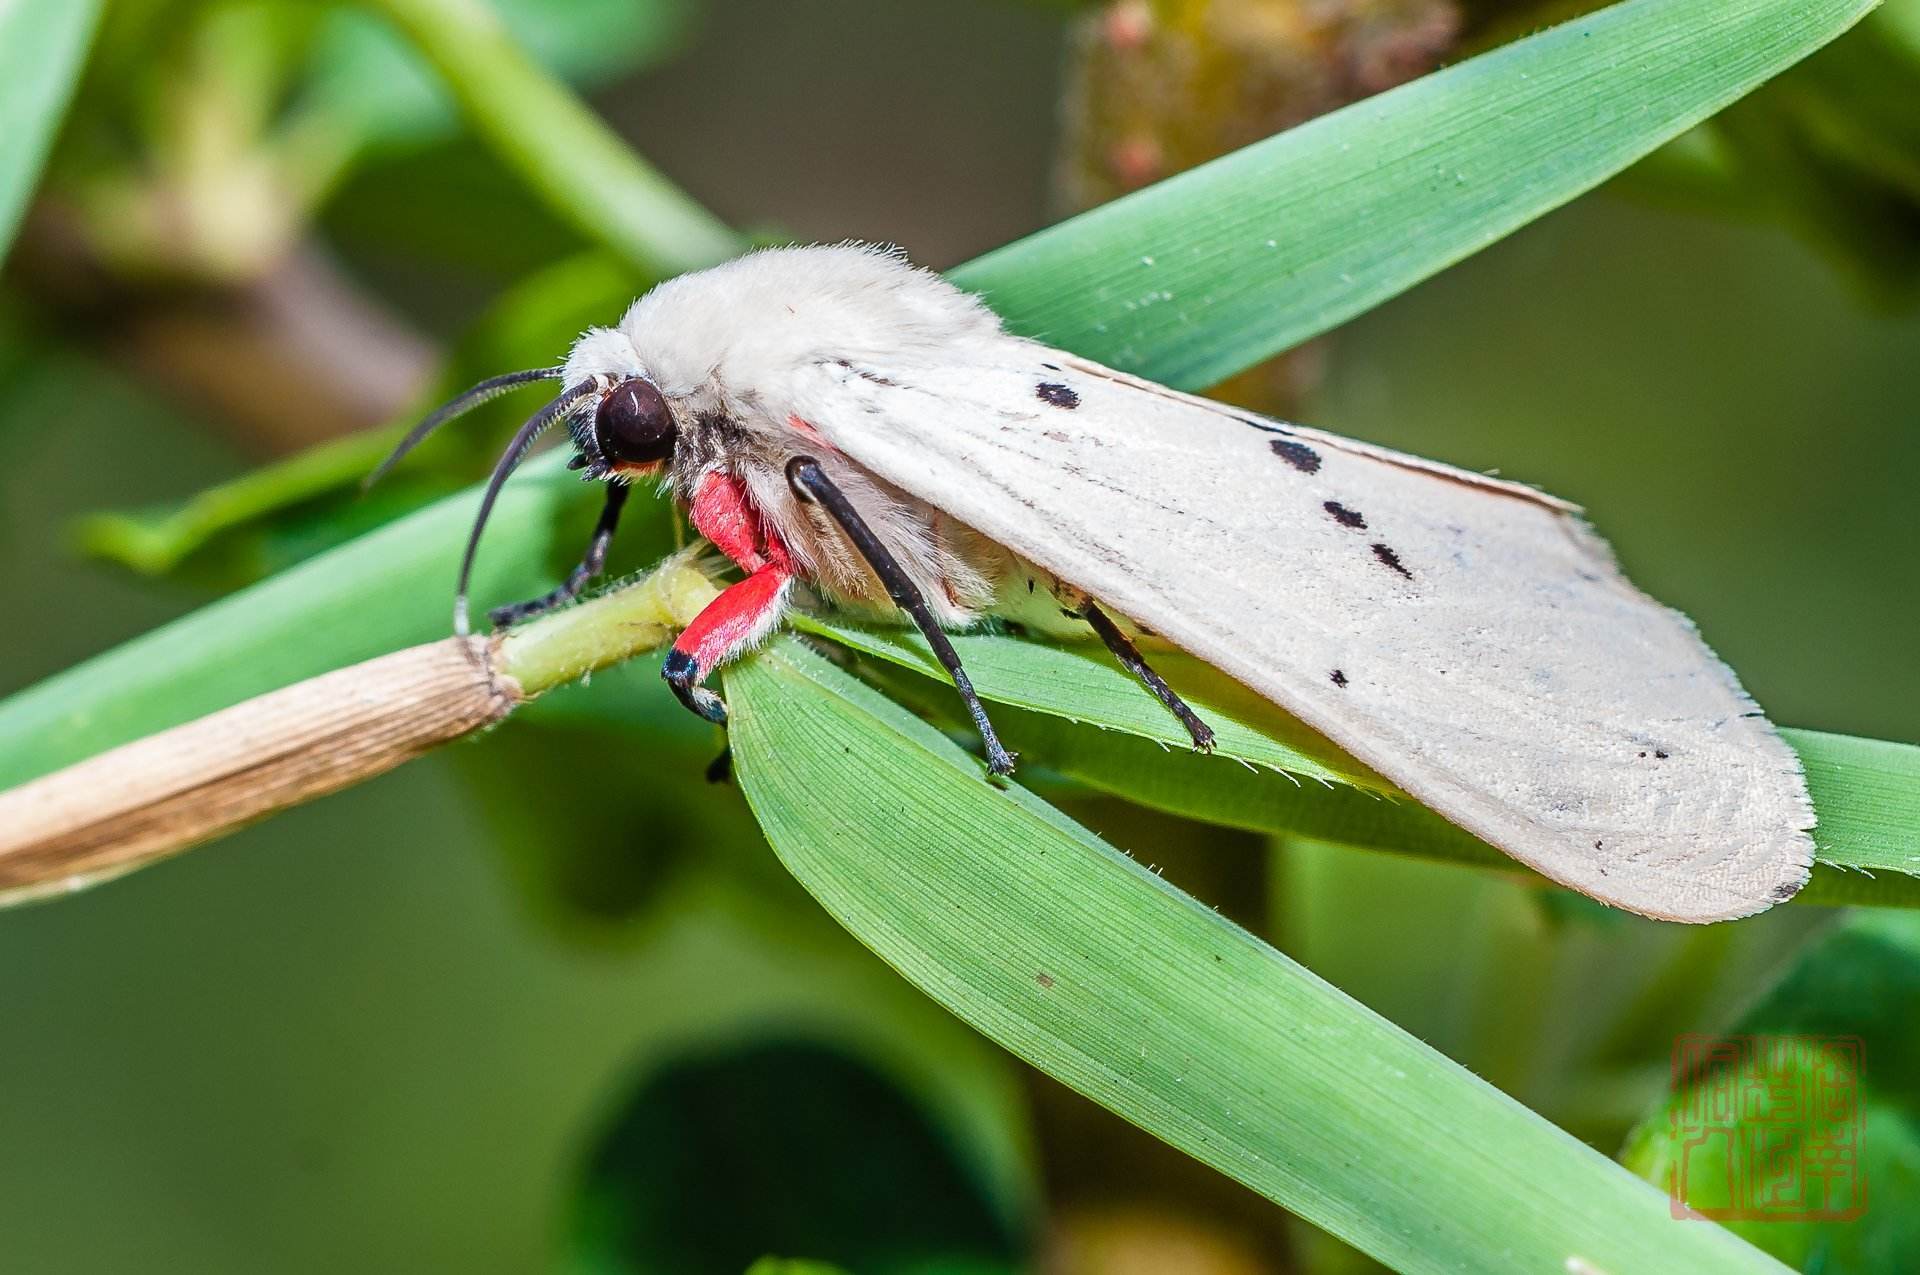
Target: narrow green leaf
{"points": [[1094, 969], [1867, 795], [42, 44], [1193, 279], [1866, 792]]}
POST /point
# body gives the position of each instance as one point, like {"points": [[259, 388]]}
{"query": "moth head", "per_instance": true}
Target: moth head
{"points": [[629, 433], [622, 427]]}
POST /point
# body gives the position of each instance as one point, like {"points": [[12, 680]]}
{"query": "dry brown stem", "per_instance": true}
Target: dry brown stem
{"points": [[159, 795]]}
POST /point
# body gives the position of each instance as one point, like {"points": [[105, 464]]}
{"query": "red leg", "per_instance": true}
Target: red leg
{"points": [[744, 613], [722, 512]]}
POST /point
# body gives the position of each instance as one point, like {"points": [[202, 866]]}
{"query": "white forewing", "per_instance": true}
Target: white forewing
{"points": [[1470, 639]]}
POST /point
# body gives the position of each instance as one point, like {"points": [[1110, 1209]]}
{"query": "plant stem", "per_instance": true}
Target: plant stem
{"points": [[566, 154], [577, 640], [157, 796]]}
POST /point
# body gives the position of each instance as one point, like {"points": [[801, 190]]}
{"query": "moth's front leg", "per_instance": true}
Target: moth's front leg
{"points": [[590, 566], [745, 612]]}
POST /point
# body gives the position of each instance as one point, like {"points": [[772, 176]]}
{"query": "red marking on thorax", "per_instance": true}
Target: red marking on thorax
{"points": [[805, 429]]}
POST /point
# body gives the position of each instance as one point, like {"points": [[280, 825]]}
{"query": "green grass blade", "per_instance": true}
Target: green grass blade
{"points": [[1191, 280], [1866, 792], [42, 45], [1094, 969]]}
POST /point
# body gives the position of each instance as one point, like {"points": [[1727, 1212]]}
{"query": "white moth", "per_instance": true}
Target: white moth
{"points": [[835, 417]]}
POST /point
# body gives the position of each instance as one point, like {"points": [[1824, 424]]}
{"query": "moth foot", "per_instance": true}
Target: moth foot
{"points": [[682, 674], [999, 760]]}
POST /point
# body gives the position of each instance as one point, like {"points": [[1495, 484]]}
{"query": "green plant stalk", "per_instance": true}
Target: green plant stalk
{"points": [[564, 152], [564, 646], [386, 590], [164, 793]]}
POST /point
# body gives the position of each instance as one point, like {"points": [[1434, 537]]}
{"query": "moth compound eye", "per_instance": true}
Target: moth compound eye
{"points": [[633, 425]]}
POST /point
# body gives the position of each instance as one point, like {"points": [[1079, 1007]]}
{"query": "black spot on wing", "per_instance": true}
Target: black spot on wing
{"points": [[1339, 678], [1784, 891], [1051, 367], [1344, 516], [1057, 394], [1391, 560], [1299, 455]]}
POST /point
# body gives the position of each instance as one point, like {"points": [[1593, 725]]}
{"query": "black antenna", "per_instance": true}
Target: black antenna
{"points": [[491, 388], [509, 461]]}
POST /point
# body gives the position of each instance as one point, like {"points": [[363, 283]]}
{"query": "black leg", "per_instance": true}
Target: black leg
{"points": [[1130, 659], [589, 567], [811, 483]]}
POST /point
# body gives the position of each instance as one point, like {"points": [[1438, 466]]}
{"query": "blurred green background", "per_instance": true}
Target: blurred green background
{"points": [[545, 1000]]}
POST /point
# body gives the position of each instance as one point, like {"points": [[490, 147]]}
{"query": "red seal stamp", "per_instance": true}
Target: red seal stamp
{"points": [[1767, 1128]]}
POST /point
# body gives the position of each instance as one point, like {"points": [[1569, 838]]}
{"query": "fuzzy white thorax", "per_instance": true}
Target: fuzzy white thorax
{"points": [[753, 323], [739, 351]]}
